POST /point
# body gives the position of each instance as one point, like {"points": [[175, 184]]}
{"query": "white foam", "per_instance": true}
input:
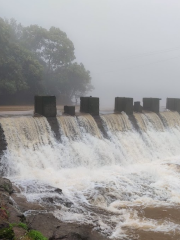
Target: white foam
{"points": [[99, 176]]}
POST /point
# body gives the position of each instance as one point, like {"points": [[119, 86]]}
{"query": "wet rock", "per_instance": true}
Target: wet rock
{"points": [[23, 205], [19, 233], [54, 201], [12, 209], [58, 190], [3, 224], [3, 143], [76, 236], [45, 223], [53, 229], [6, 185], [4, 199], [15, 215], [3, 214], [49, 200]]}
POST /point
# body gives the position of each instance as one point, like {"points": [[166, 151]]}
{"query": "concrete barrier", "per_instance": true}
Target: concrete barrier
{"points": [[123, 104], [69, 110], [89, 105], [137, 107], [45, 105], [173, 104], [151, 104]]}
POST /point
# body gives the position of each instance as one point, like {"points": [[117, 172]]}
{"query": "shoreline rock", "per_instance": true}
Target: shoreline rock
{"points": [[13, 206]]}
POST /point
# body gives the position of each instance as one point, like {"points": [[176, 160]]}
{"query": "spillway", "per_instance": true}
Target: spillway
{"points": [[106, 179]]}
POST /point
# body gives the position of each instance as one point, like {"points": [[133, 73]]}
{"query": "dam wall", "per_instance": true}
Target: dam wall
{"points": [[100, 162], [27, 133], [108, 166], [68, 126], [3, 143]]}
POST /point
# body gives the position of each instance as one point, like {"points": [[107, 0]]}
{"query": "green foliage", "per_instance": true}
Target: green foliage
{"points": [[22, 225], [6, 233], [72, 80], [4, 214], [19, 70], [36, 235], [52, 47], [34, 60]]}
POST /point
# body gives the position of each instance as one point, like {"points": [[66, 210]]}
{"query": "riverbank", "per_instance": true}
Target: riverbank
{"points": [[15, 209]]}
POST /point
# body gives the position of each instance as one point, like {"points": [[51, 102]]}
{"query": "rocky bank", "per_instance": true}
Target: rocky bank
{"points": [[15, 224]]}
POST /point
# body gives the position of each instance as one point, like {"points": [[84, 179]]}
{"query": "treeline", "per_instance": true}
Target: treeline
{"points": [[35, 61]]}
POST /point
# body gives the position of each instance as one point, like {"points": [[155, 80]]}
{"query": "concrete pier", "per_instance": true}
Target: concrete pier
{"points": [[151, 104], [173, 104], [45, 106], [89, 105], [123, 104], [69, 110], [137, 107]]}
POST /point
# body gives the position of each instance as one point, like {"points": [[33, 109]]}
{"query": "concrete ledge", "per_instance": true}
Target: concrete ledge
{"points": [[69, 110], [137, 107], [123, 104], [89, 105], [173, 104], [45, 106], [151, 104]]}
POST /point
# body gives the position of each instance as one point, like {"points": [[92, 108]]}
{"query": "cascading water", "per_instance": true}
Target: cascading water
{"points": [[106, 180], [69, 127]]}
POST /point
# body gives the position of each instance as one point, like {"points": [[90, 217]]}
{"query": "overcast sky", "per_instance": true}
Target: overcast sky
{"points": [[131, 47]]}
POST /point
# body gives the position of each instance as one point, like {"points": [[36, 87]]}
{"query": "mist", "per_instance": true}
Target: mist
{"points": [[131, 48]]}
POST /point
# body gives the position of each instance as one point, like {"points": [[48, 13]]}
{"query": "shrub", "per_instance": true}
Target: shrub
{"points": [[36, 235]]}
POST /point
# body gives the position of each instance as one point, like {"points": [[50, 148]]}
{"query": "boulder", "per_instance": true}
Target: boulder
{"points": [[19, 233], [53, 229], [6, 185]]}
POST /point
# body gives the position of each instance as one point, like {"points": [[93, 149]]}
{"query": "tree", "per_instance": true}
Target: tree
{"points": [[34, 60], [72, 80], [62, 76], [20, 72], [52, 46]]}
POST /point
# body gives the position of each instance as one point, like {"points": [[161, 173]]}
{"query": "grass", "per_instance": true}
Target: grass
{"points": [[8, 233]]}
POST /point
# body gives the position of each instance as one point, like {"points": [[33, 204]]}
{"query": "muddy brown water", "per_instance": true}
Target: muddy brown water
{"points": [[171, 214]]}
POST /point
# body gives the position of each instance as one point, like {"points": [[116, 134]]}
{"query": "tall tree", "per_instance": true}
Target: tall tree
{"points": [[56, 52], [19, 70], [72, 80], [52, 46], [31, 54]]}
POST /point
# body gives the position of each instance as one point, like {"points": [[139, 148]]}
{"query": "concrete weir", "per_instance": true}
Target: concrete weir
{"points": [[123, 104], [121, 160], [45, 106], [151, 104], [173, 104], [70, 110], [137, 107], [89, 105], [3, 143]]}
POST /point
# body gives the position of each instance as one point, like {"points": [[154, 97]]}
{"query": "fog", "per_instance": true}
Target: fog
{"points": [[131, 47]]}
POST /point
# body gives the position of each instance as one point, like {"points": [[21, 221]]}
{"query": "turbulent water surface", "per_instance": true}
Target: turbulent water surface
{"points": [[111, 182]]}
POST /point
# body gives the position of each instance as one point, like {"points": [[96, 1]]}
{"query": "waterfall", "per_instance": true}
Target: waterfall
{"points": [[26, 132], [88, 125], [69, 127], [171, 119], [102, 177], [117, 122], [83, 143]]}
